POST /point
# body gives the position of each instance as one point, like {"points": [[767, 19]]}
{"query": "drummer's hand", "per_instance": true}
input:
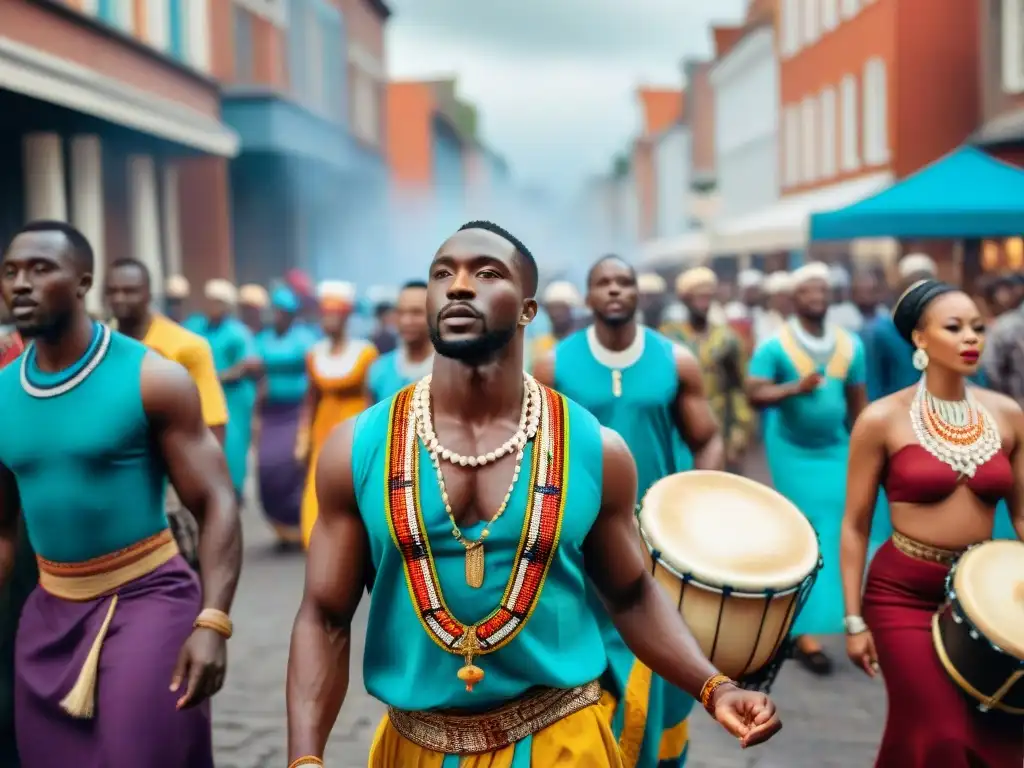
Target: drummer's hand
{"points": [[861, 650], [750, 716], [810, 382]]}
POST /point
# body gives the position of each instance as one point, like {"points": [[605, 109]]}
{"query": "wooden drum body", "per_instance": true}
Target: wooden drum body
{"points": [[979, 631], [737, 559]]}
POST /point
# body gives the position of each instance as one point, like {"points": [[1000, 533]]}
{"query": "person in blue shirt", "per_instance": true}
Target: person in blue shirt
{"points": [[282, 347], [414, 356]]}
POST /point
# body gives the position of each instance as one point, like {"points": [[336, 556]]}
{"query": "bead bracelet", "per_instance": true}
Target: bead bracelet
{"points": [[218, 621], [308, 760], [707, 693]]}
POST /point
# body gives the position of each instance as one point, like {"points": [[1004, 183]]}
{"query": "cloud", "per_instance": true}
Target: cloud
{"points": [[554, 80]]}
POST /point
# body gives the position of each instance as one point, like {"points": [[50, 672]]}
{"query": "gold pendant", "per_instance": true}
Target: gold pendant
{"points": [[470, 673], [617, 383], [475, 564]]}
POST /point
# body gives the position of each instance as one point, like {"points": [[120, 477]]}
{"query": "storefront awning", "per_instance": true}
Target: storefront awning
{"points": [[673, 251], [783, 226], [42, 76], [966, 194]]}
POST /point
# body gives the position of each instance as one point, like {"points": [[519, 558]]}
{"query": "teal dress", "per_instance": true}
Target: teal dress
{"points": [[557, 646], [809, 444], [232, 342], [643, 416]]}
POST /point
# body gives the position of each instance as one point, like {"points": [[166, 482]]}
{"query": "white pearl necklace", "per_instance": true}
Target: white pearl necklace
{"points": [[529, 422], [963, 458]]}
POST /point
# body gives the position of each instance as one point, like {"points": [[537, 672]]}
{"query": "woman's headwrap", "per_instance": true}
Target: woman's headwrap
{"points": [[252, 295], [907, 312], [815, 270], [221, 290], [696, 277], [285, 299], [336, 296]]}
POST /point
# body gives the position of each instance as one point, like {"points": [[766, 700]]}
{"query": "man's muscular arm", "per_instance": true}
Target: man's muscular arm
{"points": [[694, 418], [198, 471], [336, 567], [646, 619], [10, 506]]}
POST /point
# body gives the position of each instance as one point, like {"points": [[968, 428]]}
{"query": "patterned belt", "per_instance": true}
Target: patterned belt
{"points": [[479, 733], [921, 551]]}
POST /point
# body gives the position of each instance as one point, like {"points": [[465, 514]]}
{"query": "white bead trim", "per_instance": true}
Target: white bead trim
{"points": [[74, 381]]}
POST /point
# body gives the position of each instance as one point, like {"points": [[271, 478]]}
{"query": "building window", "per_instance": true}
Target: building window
{"points": [[297, 53], [811, 21], [176, 28], [849, 8], [366, 107], [245, 66], [791, 137], [809, 140], [829, 14], [828, 133], [791, 29], [333, 95], [1013, 46], [851, 124], [876, 118], [197, 17]]}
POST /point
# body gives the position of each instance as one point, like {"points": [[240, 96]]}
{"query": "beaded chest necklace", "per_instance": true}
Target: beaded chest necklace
{"points": [[959, 433], [537, 543]]}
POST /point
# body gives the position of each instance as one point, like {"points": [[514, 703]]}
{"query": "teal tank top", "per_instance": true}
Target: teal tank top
{"points": [[388, 375], [284, 362], [558, 644], [642, 413], [79, 445]]}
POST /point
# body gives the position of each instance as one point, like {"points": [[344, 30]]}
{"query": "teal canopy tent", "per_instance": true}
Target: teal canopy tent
{"points": [[966, 194]]}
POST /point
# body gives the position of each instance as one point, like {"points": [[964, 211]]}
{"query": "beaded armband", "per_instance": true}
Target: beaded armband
{"points": [[707, 693]]}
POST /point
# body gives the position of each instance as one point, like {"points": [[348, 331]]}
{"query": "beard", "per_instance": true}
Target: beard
{"points": [[476, 351], [616, 321]]}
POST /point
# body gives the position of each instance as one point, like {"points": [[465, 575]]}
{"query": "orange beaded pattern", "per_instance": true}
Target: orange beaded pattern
{"points": [[537, 545], [968, 434], [707, 693]]}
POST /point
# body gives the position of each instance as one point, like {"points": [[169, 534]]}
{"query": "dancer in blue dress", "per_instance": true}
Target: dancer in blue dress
{"points": [[813, 374], [650, 390]]}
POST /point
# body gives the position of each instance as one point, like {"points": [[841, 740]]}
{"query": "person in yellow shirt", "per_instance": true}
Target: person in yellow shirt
{"points": [[129, 294]]}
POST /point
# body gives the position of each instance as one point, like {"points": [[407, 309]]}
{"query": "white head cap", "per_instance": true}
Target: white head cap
{"points": [[695, 278], [219, 289], [916, 264], [778, 282], [838, 277], [177, 287], [815, 270], [651, 284], [338, 290], [562, 292], [252, 295], [749, 278]]}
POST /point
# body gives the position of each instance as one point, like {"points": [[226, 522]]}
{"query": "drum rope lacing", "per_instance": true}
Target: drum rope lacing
{"points": [[960, 433]]}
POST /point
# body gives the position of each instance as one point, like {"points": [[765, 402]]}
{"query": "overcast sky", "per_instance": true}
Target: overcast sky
{"points": [[553, 80]]}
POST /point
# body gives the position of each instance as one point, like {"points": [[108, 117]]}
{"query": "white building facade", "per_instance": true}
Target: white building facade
{"points": [[672, 152]]}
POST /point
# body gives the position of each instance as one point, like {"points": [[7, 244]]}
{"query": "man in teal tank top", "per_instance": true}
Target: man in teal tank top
{"points": [[414, 356], [475, 506], [119, 647], [650, 391]]}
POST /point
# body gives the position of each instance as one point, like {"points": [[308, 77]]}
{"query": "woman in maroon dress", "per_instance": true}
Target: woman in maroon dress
{"points": [[939, 507]]}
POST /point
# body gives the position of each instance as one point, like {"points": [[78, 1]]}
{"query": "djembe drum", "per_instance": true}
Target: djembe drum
{"points": [[979, 630], [738, 559]]}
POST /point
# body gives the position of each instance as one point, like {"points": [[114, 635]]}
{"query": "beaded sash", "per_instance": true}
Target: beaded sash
{"points": [[537, 545]]}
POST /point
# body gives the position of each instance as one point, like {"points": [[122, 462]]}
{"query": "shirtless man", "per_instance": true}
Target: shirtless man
{"points": [[389, 508]]}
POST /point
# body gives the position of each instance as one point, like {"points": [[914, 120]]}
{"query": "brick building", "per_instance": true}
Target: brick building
{"points": [[305, 88], [112, 120], [870, 91]]}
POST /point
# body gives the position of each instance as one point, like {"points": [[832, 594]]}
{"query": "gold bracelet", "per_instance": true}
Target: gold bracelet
{"points": [[707, 693], [308, 760], [218, 621]]}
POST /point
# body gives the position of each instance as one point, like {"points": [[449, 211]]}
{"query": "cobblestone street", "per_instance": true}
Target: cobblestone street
{"points": [[832, 723]]}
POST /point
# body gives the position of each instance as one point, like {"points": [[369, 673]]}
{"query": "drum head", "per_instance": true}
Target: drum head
{"points": [[989, 584], [728, 530]]}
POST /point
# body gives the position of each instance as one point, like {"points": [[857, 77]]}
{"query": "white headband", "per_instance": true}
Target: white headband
{"points": [[562, 292], [815, 270]]}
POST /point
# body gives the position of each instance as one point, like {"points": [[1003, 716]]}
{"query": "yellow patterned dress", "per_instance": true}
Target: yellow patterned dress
{"points": [[723, 362]]}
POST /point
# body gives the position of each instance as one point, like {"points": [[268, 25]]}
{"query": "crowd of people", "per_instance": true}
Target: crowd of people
{"points": [[388, 456]]}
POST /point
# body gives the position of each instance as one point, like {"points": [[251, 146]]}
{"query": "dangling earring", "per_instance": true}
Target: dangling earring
{"points": [[920, 359]]}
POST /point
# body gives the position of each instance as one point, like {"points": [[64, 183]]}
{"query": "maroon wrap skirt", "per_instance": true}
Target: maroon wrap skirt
{"points": [[931, 723]]}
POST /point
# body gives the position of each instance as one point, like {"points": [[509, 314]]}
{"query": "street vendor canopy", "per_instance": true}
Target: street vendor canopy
{"points": [[966, 194]]}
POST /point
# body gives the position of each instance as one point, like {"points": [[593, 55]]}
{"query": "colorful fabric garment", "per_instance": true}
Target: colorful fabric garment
{"points": [[810, 439], [636, 400], [532, 631], [232, 343], [337, 382], [724, 365]]}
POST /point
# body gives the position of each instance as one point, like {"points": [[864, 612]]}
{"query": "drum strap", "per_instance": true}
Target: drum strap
{"points": [[838, 365]]}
